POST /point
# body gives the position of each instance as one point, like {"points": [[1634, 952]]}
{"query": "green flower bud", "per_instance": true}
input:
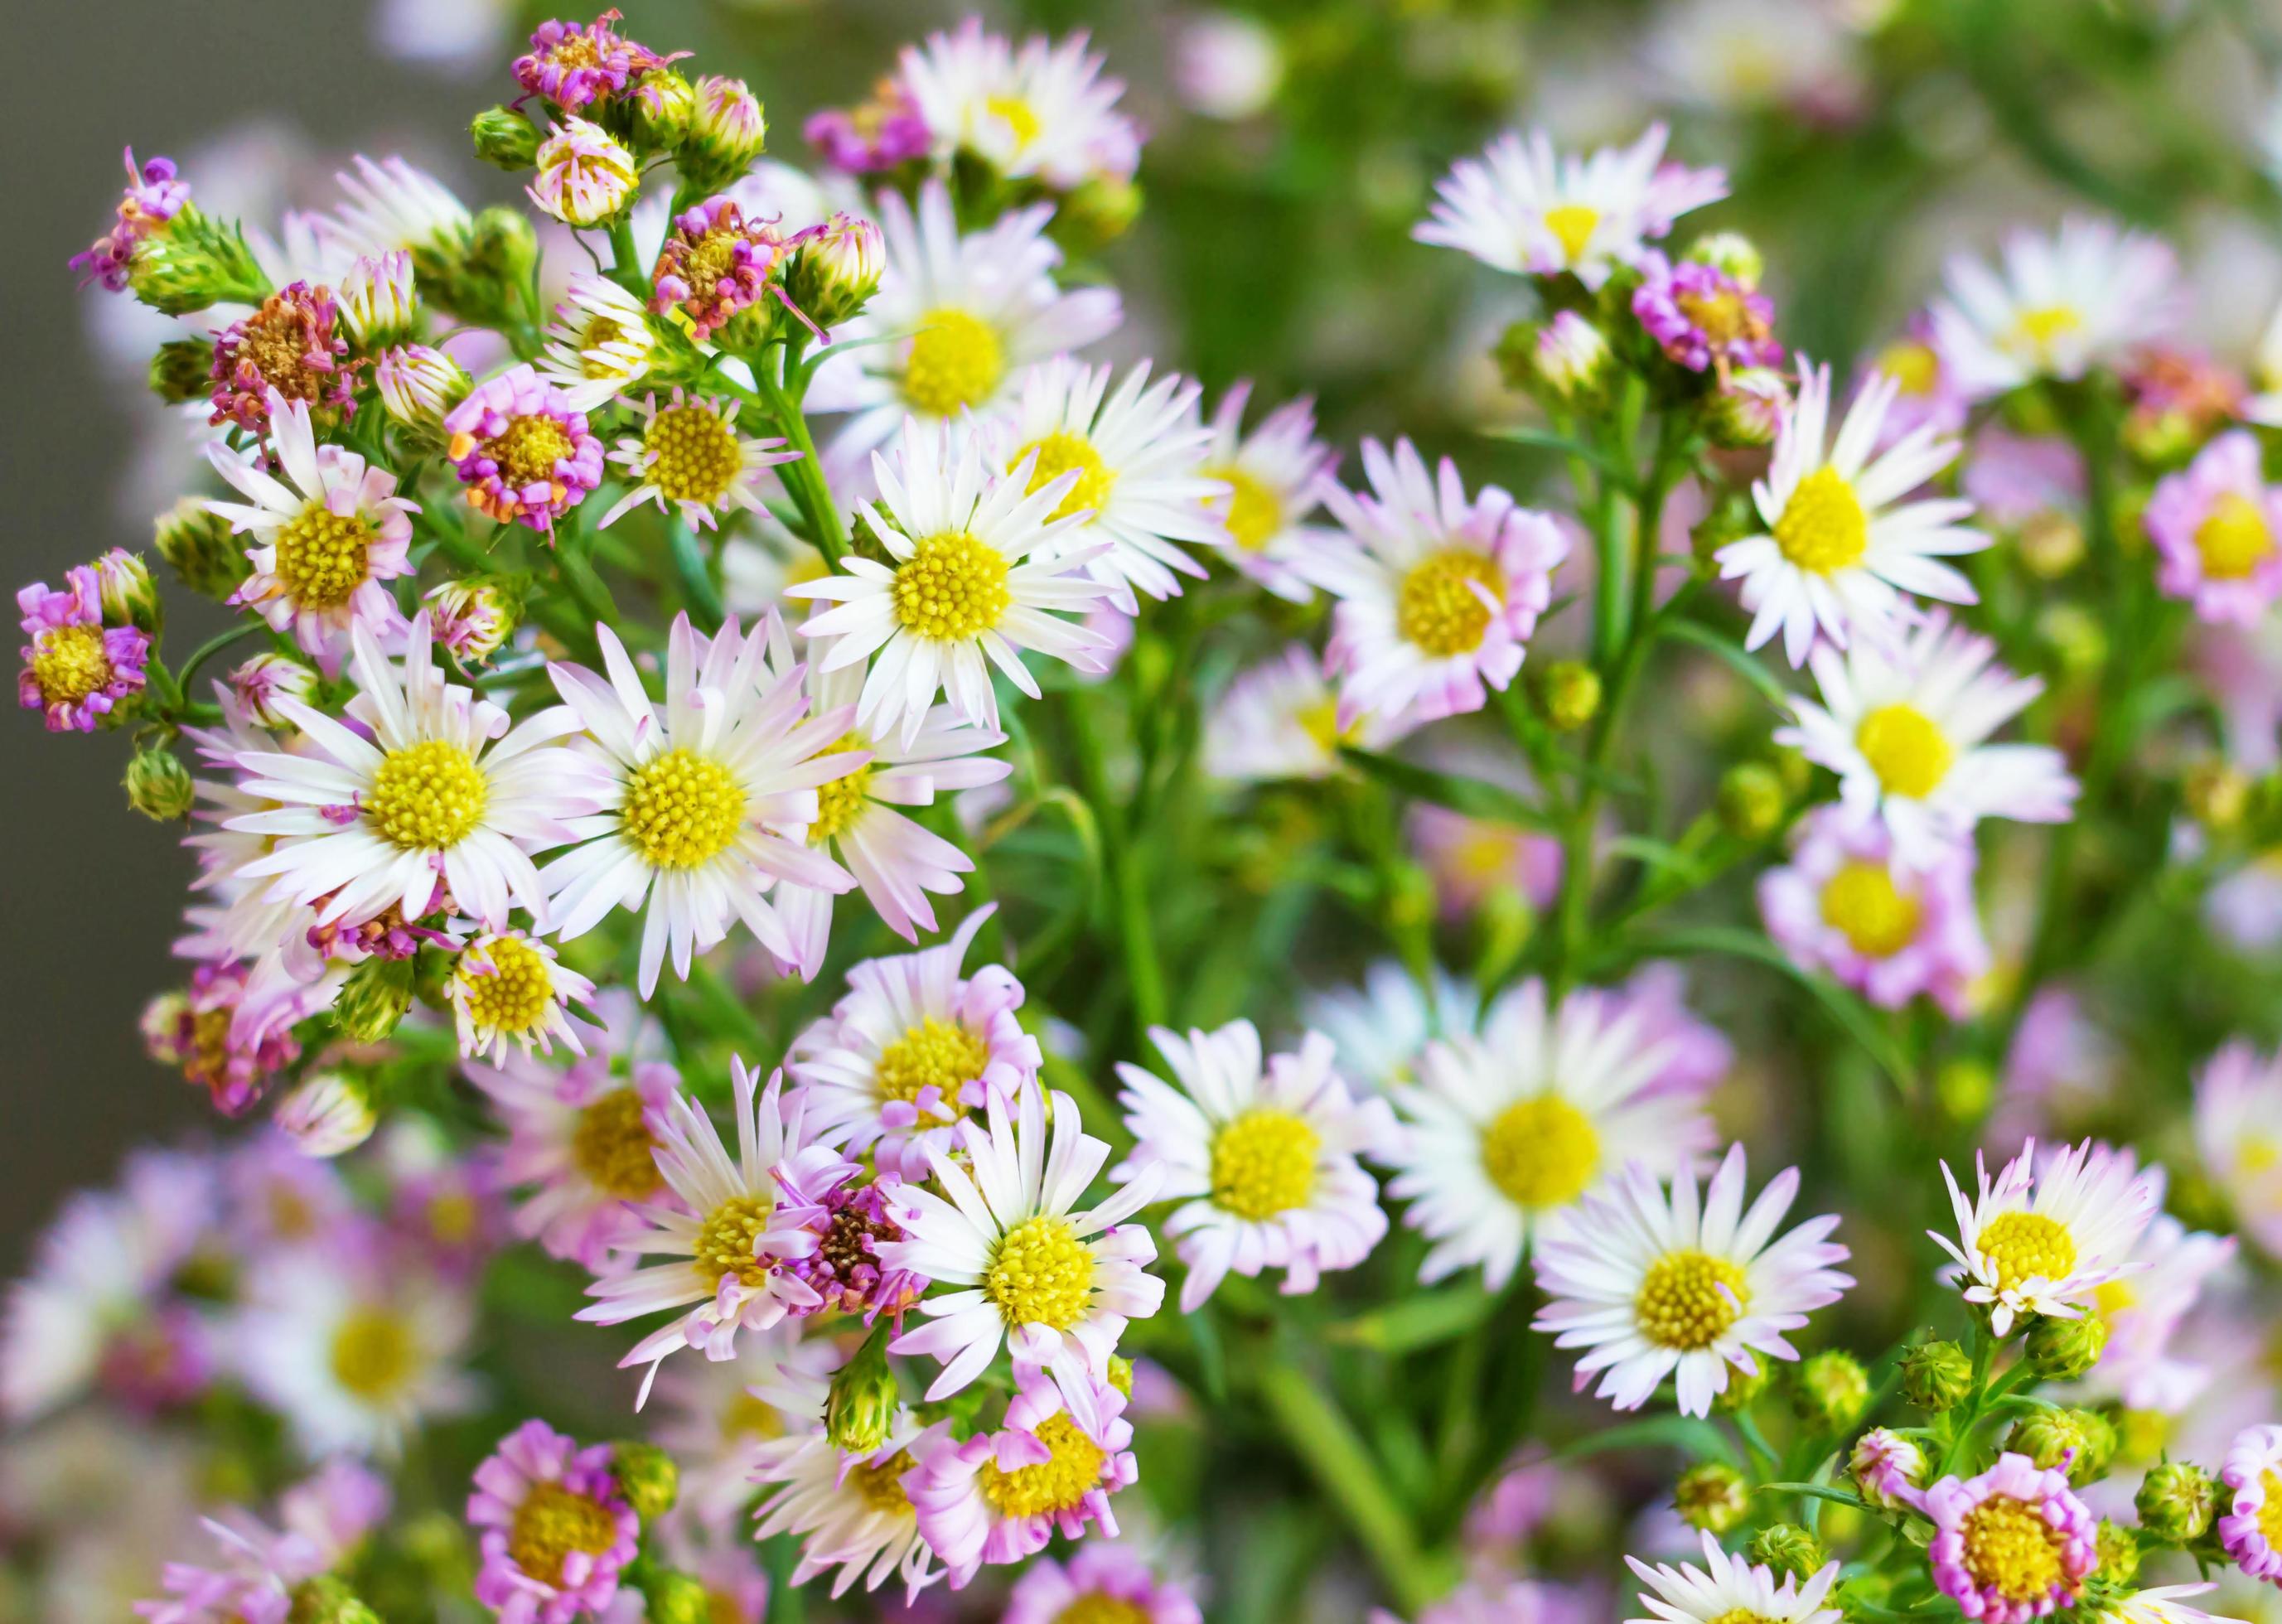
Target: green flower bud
{"points": [[1744, 1389], [182, 370], [1830, 1391], [2063, 1349], [327, 1600], [2119, 1553], [2076, 1439], [2051, 544], [159, 785], [1743, 413], [836, 268], [1964, 1086], [1569, 692], [195, 264], [1731, 519], [1097, 212], [671, 1596], [727, 131], [373, 999], [1786, 1549], [505, 138], [129, 597], [1731, 253], [1712, 1496], [2176, 1501], [861, 1409], [647, 1478], [658, 109], [1752, 801], [1936, 1376]]}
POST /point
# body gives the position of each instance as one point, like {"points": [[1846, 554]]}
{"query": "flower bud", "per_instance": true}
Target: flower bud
{"points": [[159, 785], [1121, 1374], [327, 1600], [1744, 1388], [2075, 1438], [504, 138], [1569, 360], [474, 616], [374, 998], [418, 386], [2051, 544], [1936, 1376], [1732, 254], [861, 1409], [2119, 1553], [182, 370], [2063, 1349], [259, 683], [2217, 793], [1712, 1496], [1830, 1391], [726, 133], [1751, 803], [196, 264], [1786, 1549], [327, 1113], [2176, 1501], [484, 284], [379, 304], [129, 596], [2077, 639], [1569, 692], [1098, 210], [1964, 1087], [835, 267], [1885, 1466], [1746, 409], [585, 176], [648, 1479], [671, 1596], [658, 109]]}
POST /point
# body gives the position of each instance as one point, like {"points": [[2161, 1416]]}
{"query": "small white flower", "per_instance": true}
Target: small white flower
{"points": [[1043, 110], [2058, 306], [1277, 477], [599, 342], [391, 205], [851, 1512], [1280, 720], [1729, 1586], [2042, 1241], [689, 459]]}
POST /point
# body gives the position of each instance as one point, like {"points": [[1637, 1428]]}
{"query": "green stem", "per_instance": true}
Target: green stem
{"points": [[1129, 892], [695, 574], [803, 478], [207, 650]]}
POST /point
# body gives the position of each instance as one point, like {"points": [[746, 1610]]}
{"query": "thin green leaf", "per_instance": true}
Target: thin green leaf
{"points": [[1741, 663], [1474, 797], [1417, 1322], [1690, 1434], [1815, 1491]]}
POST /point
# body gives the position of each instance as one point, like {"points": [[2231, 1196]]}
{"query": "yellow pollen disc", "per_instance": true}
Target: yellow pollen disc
{"points": [[1685, 1300], [1263, 1163], [1437, 608], [1040, 1274], [373, 1354], [613, 1147], [881, 1487], [694, 454], [516, 995], [2257, 1152], [2233, 539], [550, 1524], [1572, 225], [1058, 453], [1094, 1607], [748, 1416], [1018, 115], [840, 802], [320, 556], [1055, 1485], [953, 588], [936, 1053], [1256, 514], [1321, 723], [725, 1243], [69, 662], [956, 362], [1742, 1615], [1862, 903], [1913, 367], [2042, 327], [599, 331], [2270, 1512], [2010, 1549], [527, 450], [682, 810], [1905, 749], [1542, 1152], [2112, 1297], [1823, 528], [427, 796], [1722, 317], [2026, 1246]]}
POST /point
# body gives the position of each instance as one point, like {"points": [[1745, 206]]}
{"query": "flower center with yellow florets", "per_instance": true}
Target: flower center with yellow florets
{"points": [[1263, 1163], [551, 1523], [1094, 1607], [2039, 328], [528, 449], [595, 340], [2233, 539], [936, 1053], [1059, 453], [1018, 115], [841, 802], [1823, 528], [1689, 1299], [613, 1147], [1255, 517], [2022, 1247], [1572, 225], [373, 1354], [321, 556], [1905, 748], [1438, 607], [1040, 1274], [1541, 1152], [682, 808], [729, 1240], [427, 796], [881, 1487], [2269, 1510], [1056, 1484], [69, 662], [692, 455], [516, 995], [956, 362], [2011, 1550], [1913, 367], [953, 588], [1877, 918]]}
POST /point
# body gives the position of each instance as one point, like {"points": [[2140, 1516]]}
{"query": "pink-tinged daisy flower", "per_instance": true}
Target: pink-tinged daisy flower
{"points": [[716, 264], [723, 1421], [1262, 1158], [1102, 1579], [1843, 907], [1889, 1468], [1506, 1128], [580, 1136], [910, 1050], [1702, 318], [556, 1534], [1841, 545], [1380, 1027], [1438, 592], [852, 1514], [583, 175], [883, 133], [1000, 1497], [1276, 478], [1654, 1287], [223, 1040], [2218, 529], [323, 543], [1043, 111], [1473, 860], [1726, 1587], [1523, 207], [573, 65], [697, 795], [2239, 1133], [731, 1228], [2057, 306], [2145, 1308], [325, 1517], [2018, 479], [2011, 1544], [1280, 720], [511, 986], [2044, 1239], [974, 574], [76, 670], [1055, 1285], [1905, 728], [154, 195], [295, 347], [1926, 393], [2251, 1530], [689, 459], [437, 787], [521, 450], [598, 343]]}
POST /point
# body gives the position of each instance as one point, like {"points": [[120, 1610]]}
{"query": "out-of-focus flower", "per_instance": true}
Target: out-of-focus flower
{"points": [[1280, 720], [2058, 305], [225, 1041], [883, 133], [2214, 526], [852, 1514], [266, 1570], [1042, 111], [1276, 478], [77, 670], [1101, 1578], [723, 1421], [2044, 1239], [1381, 1027], [327, 1114], [2143, 1310], [2239, 1132], [556, 1532], [2011, 1544], [1927, 391]]}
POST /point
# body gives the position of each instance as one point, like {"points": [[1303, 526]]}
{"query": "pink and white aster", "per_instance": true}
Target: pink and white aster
{"points": [[2043, 1240], [1101, 1578], [2250, 1530], [1276, 478], [2216, 526], [1279, 720], [1040, 111], [1727, 1586], [852, 1514], [555, 1532], [1927, 393], [2239, 1136], [524, 454], [572, 66], [724, 1422], [1703, 318], [2144, 1311], [2056, 307], [2011, 1544], [325, 1518], [76, 670]]}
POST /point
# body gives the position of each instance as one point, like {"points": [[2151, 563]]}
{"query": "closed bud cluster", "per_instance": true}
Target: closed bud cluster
{"points": [[1569, 692], [2119, 1553], [1936, 1376], [197, 264], [727, 131], [1751, 802], [1786, 1549], [861, 1409], [182, 370], [504, 138], [2176, 1501], [1712, 1496], [647, 1478], [128, 594], [1830, 1390], [159, 785], [2064, 1349], [373, 999], [327, 1113], [199, 546]]}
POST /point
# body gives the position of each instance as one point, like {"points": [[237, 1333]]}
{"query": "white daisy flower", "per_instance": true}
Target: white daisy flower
{"points": [[2163, 1604], [1523, 207], [689, 459], [1438, 592], [444, 790], [1504, 1130], [1263, 1158], [1729, 1586], [732, 1227], [1276, 478], [974, 574], [704, 799], [1044, 110], [2058, 305], [599, 342], [1841, 545], [723, 1421], [851, 1512], [511, 986], [1280, 720], [1057, 1286], [1381, 1026], [1905, 728], [2239, 1136], [954, 321], [1652, 1286], [2042, 1241], [391, 205]]}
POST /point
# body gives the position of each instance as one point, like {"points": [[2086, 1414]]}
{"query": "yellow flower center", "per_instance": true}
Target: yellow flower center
{"points": [[1041, 1274], [1052, 1486], [1093, 1607], [2010, 1549], [427, 796], [1722, 317], [69, 664], [527, 450], [516, 995], [550, 1524], [1018, 115], [1437, 607], [1823, 528], [1320, 722], [1914, 368], [2026, 1246], [1877, 918], [936, 1053], [599, 331], [2233, 539], [1058, 453], [1263, 1163], [321, 556], [956, 362], [1689, 1299], [695, 456], [1255, 517], [612, 1145], [1904, 749], [2112, 1297], [1542, 1152], [748, 1416], [953, 588], [881, 1487], [373, 1354], [1572, 225], [452, 1217], [2270, 1512], [2039, 328], [682, 810], [841, 802], [728, 1240]]}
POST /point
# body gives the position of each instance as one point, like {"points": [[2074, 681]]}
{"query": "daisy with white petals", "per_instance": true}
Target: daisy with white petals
{"points": [[1842, 543], [1652, 1286], [2057, 306], [1043, 110], [2044, 1239], [1280, 720], [1276, 478], [598, 343], [852, 1513], [689, 459], [510, 986], [1729, 1586]]}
